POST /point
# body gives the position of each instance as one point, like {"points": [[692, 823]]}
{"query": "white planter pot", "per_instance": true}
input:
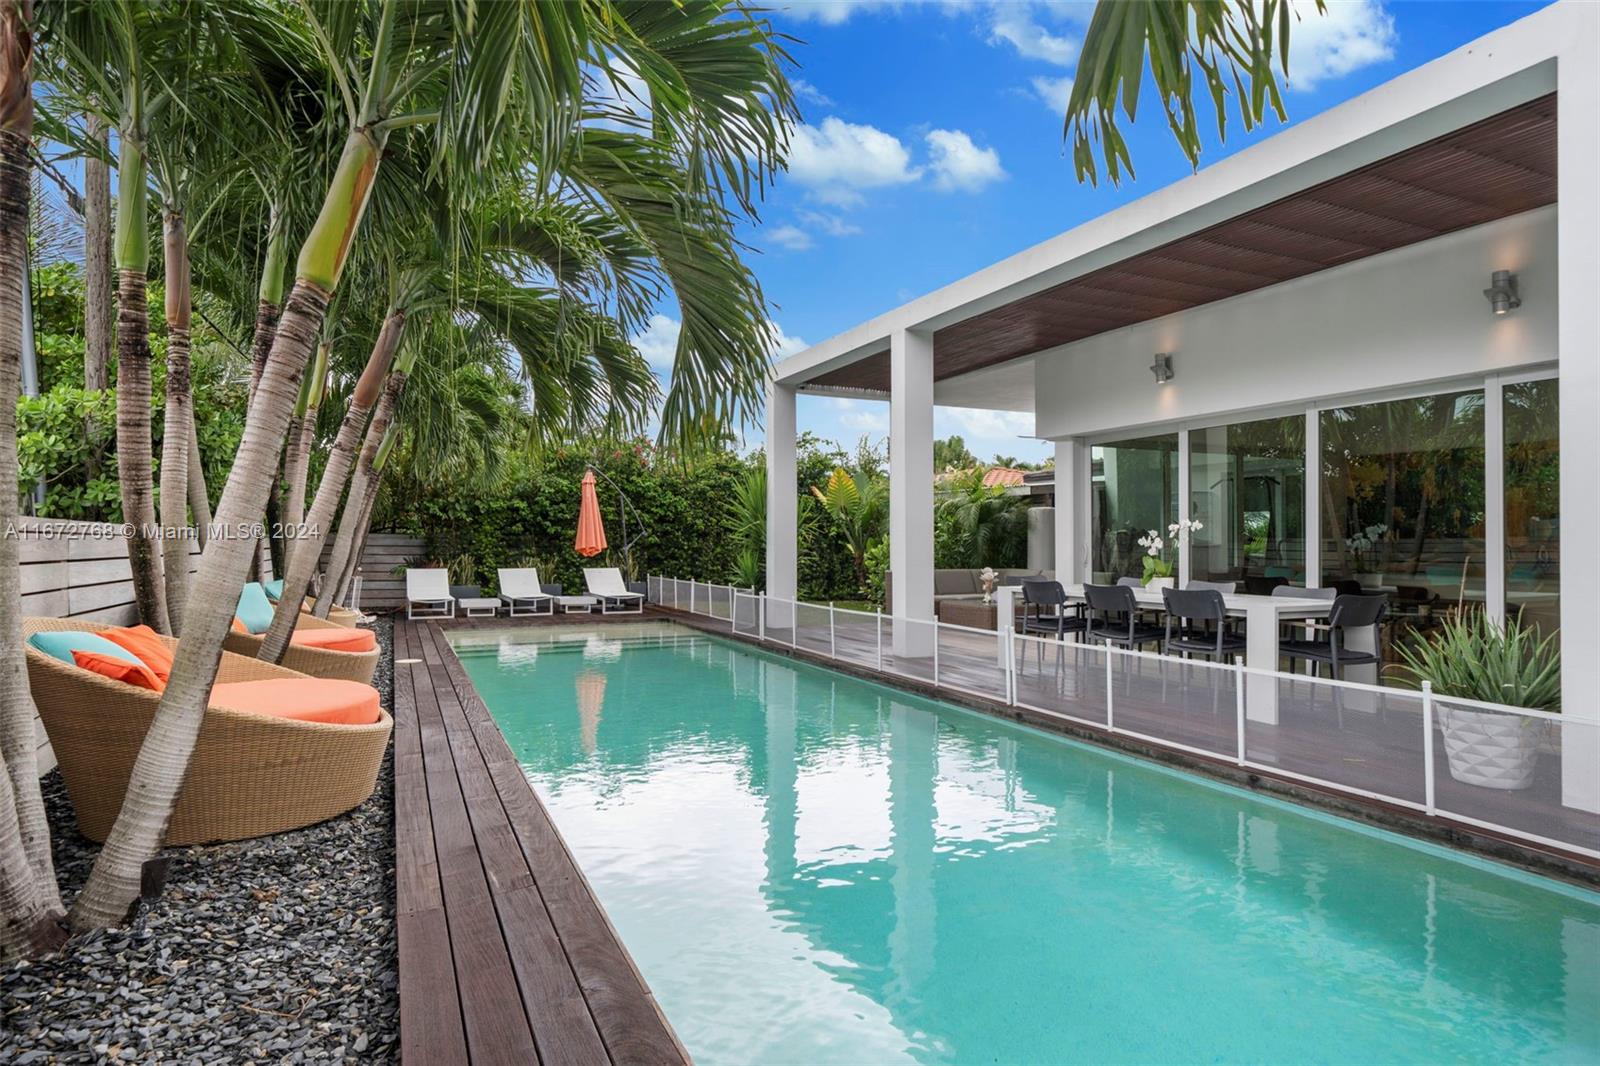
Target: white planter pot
{"points": [[1162, 583], [1490, 750]]}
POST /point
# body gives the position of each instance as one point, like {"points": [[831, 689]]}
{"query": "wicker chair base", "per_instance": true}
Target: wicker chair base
{"points": [[250, 775], [314, 662]]}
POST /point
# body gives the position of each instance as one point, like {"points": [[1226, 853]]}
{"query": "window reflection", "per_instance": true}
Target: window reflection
{"points": [[1403, 503], [1533, 504], [1247, 489], [1135, 489]]}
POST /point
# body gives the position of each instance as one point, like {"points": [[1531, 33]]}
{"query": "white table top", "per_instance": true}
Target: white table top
{"points": [[1236, 603]]}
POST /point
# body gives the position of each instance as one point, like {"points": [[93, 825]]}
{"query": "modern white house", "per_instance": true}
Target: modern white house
{"points": [[1353, 352]]}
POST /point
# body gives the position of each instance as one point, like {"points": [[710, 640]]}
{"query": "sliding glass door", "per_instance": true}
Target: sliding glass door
{"points": [[1533, 503], [1247, 489], [1133, 488], [1403, 503]]}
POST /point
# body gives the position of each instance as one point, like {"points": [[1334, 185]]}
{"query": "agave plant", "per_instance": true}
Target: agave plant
{"points": [[1475, 657]]}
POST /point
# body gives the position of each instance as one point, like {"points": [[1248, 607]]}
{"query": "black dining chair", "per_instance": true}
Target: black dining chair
{"points": [[1195, 625], [1329, 645], [1288, 630], [1046, 610], [1113, 617]]}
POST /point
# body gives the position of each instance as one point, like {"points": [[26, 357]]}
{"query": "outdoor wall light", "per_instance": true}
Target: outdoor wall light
{"points": [[1502, 292], [1162, 368]]}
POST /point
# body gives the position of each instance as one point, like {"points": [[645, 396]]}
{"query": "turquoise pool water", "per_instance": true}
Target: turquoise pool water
{"points": [[812, 869]]}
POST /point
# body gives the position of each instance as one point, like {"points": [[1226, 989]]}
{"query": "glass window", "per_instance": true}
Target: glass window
{"points": [[1134, 489], [1403, 503], [1247, 490], [1533, 504]]}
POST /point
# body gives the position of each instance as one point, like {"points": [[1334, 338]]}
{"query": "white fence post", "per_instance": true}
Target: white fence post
{"points": [[1009, 642], [878, 625], [794, 623], [935, 654], [1427, 745], [1111, 725], [1238, 694], [761, 617], [833, 646]]}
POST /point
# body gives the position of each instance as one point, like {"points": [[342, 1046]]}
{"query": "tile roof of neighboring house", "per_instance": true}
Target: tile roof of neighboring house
{"points": [[1002, 475]]}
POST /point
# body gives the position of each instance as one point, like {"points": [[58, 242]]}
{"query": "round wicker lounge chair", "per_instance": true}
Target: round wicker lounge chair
{"points": [[313, 662], [251, 774], [343, 616]]}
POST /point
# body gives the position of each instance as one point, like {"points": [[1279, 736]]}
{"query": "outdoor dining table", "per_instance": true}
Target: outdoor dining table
{"points": [[1263, 617]]}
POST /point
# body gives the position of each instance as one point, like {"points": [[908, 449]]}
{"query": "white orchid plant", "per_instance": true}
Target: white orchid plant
{"points": [[988, 579], [1156, 563], [1363, 542]]}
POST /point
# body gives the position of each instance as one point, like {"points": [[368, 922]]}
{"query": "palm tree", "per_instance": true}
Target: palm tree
{"points": [[1235, 41], [97, 321], [29, 902], [426, 64]]}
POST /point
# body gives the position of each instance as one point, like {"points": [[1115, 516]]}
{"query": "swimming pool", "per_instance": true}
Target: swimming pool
{"points": [[810, 868]]}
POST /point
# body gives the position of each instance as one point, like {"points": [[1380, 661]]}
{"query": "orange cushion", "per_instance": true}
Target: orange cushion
{"points": [[340, 639], [239, 626], [137, 674], [144, 642], [305, 699]]}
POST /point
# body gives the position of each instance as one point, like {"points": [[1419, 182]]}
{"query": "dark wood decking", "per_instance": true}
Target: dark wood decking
{"points": [[505, 955]]}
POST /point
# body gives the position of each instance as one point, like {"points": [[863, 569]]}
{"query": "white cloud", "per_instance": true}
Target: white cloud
{"points": [[659, 342], [1353, 34], [832, 225], [1014, 25], [804, 90], [838, 159], [995, 427], [793, 238], [862, 416], [783, 344], [957, 163], [1054, 91]]}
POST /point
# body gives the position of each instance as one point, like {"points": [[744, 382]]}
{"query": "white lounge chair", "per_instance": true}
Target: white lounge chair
{"points": [[430, 590], [606, 582], [522, 595]]}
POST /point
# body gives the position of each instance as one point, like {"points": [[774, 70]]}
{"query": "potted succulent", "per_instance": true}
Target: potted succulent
{"points": [[1477, 658], [1157, 569]]}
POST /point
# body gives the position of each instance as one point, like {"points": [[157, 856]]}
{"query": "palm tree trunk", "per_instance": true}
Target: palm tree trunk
{"points": [[134, 459], [303, 561], [269, 301], [199, 495], [28, 894], [179, 419], [363, 525], [341, 563], [164, 756], [297, 460], [96, 271]]}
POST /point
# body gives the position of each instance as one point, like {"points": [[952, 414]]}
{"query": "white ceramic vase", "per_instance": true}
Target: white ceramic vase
{"points": [[1490, 750]]}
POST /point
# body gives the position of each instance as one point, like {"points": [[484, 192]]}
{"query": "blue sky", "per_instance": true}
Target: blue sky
{"points": [[931, 147]]}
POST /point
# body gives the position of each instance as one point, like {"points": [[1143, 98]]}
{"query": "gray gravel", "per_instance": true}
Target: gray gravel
{"points": [[280, 949]]}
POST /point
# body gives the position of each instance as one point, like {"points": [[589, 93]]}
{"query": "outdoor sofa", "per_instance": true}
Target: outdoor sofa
{"points": [[253, 772]]}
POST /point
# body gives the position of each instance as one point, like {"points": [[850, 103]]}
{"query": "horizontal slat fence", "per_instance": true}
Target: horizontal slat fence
{"points": [[77, 570]]}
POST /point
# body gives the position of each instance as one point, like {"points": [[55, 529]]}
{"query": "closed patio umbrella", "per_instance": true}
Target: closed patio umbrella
{"points": [[591, 540]]}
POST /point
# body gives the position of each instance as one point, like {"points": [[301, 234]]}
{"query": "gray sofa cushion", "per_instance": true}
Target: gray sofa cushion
{"points": [[954, 582]]}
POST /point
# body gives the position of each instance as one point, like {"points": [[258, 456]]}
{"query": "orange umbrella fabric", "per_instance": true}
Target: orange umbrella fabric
{"points": [[591, 531]]}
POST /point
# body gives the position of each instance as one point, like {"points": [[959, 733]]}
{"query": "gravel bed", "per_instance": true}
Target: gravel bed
{"points": [[280, 949]]}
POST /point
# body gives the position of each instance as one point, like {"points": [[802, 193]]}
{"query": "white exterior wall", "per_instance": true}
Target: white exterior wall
{"points": [[1407, 317]]}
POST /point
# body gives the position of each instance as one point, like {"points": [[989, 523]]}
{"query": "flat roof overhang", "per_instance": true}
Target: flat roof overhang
{"points": [[1465, 139], [1503, 165]]}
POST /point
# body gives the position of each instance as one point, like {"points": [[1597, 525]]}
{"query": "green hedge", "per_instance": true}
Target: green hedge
{"points": [[534, 519]]}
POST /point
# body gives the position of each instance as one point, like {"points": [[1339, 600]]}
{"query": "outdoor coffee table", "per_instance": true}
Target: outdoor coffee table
{"points": [[974, 614], [480, 607], [577, 604]]}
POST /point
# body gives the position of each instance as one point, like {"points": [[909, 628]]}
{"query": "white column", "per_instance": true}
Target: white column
{"points": [[782, 503], [1578, 271], [911, 486], [1069, 564]]}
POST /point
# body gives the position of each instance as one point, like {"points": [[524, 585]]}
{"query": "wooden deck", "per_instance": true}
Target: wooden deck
{"points": [[505, 955]]}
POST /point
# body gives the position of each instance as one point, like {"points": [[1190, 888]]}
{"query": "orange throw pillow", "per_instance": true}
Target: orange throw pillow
{"points": [[136, 674], [239, 626], [339, 639], [305, 699], [144, 643]]}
